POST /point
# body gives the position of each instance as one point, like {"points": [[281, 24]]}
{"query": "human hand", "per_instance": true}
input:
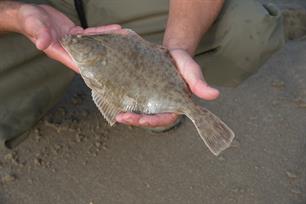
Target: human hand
{"points": [[45, 26], [193, 76]]}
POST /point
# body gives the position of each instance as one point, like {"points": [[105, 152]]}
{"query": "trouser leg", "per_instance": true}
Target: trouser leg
{"points": [[243, 37], [30, 84]]}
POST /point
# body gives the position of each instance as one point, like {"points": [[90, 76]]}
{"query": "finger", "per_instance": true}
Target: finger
{"points": [[102, 29], [201, 89], [192, 74], [76, 30], [43, 39], [128, 118], [158, 120], [37, 32]]}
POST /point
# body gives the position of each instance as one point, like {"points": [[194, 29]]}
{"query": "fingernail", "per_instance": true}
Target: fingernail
{"points": [[213, 90], [143, 122], [128, 120]]}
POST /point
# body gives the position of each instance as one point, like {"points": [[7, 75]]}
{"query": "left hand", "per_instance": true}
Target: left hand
{"points": [[45, 26], [193, 76]]}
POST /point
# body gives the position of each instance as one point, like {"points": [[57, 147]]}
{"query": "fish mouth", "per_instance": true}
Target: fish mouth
{"points": [[65, 40], [69, 39]]}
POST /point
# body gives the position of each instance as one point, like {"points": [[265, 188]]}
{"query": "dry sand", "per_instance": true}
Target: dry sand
{"points": [[73, 157]]}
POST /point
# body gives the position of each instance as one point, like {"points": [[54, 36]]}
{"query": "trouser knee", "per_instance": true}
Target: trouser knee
{"points": [[251, 34]]}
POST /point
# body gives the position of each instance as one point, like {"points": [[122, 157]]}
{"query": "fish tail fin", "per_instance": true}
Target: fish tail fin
{"points": [[214, 132]]}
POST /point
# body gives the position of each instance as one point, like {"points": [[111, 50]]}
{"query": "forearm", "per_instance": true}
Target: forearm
{"points": [[188, 21], [8, 16]]}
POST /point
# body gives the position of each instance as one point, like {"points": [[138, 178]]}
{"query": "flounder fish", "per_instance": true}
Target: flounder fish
{"points": [[129, 74]]}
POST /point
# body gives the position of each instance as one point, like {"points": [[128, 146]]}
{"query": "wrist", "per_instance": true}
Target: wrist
{"points": [[9, 21], [173, 44], [175, 39]]}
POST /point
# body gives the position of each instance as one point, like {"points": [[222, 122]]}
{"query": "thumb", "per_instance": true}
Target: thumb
{"points": [[201, 89], [33, 26], [192, 74], [43, 39], [38, 34]]}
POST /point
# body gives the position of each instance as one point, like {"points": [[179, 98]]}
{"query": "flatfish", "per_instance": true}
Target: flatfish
{"points": [[129, 74]]}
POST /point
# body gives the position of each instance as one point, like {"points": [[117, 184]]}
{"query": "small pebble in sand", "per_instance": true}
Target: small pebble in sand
{"points": [[275, 103], [291, 175], [8, 178], [239, 190], [300, 103], [278, 84], [38, 161], [12, 157], [8, 156], [55, 150], [37, 138], [98, 144], [235, 144], [221, 158], [296, 191], [130, 127], [37, 132], [79, 137]]}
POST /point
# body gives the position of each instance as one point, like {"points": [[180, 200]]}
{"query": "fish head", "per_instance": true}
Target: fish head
{"points": [[84, 51]]}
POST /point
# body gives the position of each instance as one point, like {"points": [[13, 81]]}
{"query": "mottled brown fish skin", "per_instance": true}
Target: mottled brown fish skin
{"points": [[129, 74]]}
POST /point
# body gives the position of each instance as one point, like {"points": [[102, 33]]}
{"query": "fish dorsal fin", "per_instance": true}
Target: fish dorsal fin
{"points": [[107, 109]]}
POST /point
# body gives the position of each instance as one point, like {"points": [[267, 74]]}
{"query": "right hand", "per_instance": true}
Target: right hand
{"points": [[44, 26]]}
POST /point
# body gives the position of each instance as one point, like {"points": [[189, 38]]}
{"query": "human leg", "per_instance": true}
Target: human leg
{"points": [[244, 36]]}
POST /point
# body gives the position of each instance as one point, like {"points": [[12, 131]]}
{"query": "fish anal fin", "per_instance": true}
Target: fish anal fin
{"points": [[108, 111]]}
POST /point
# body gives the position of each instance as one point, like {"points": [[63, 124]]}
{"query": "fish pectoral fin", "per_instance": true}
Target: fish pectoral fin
{"points": [[108, 111]]}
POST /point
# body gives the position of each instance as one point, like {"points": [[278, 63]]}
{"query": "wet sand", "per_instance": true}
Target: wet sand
{"points": [[73, 156]]}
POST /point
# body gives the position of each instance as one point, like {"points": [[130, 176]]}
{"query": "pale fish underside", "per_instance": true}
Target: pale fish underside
{"points": [[128, 74]]}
